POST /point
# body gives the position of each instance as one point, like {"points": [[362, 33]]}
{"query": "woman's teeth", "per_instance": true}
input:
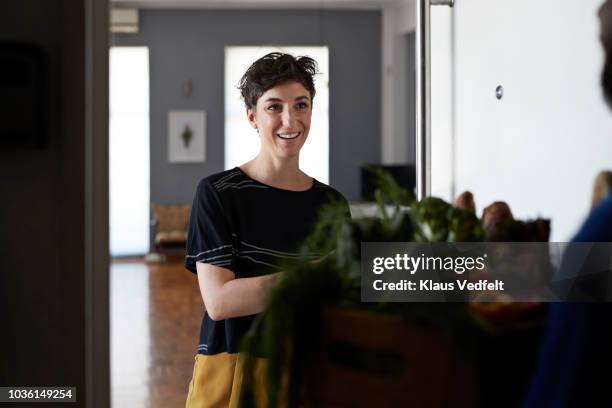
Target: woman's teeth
{"points": [[288, 135]]}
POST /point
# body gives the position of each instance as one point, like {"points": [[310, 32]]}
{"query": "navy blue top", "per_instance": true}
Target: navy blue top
{"points": [[247, 227], [576, 353]]}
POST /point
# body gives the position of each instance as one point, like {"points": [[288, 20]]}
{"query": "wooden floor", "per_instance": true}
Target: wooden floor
{"points": [[156, 310]]}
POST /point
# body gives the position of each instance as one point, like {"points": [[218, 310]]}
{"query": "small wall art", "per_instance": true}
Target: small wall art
{"points": [[186, 136]]}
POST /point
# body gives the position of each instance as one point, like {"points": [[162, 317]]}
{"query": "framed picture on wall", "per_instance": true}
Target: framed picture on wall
{"points": [[186, 136]]}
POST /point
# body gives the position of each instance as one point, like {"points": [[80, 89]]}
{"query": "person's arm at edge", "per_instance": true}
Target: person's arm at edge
{"points": [[225, 296]]}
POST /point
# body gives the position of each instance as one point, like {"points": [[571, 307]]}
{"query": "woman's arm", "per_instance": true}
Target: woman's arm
{"points": [[225, 296]]}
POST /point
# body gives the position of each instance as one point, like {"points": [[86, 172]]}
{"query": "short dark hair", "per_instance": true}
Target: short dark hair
{"points": [[273, 69]]}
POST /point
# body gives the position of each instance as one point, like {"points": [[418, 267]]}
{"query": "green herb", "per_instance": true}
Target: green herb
{"points": [[287, 331]]}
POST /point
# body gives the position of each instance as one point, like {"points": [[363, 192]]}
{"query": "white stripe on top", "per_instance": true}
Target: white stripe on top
{"points": [[227, 177], [276, 255], [232, 183], [273, 251], [259, 262], [241, 187], [207, 251]]}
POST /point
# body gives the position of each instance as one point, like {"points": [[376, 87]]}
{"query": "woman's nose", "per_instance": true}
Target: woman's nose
{"points": [[288, 117]]}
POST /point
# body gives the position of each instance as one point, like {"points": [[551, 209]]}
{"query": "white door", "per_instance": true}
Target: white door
{"points": [[540, 146]]}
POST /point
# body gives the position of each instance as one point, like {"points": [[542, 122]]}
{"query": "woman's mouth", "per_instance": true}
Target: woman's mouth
{"points": [[288, 136]]}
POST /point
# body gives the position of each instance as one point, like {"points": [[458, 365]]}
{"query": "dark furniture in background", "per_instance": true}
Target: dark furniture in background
{"points": [[404, 175]]}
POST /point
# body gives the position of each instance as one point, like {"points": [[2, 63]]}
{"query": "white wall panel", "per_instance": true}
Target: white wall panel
{"points": [[540, 147]]}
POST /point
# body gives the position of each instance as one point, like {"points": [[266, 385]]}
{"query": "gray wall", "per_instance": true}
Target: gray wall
{"points": [[42, 252], [190, 45]]}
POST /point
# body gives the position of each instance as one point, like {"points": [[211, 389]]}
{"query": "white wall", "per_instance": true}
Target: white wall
{"points": [[540, 147], [398, 20], [442, 140]]}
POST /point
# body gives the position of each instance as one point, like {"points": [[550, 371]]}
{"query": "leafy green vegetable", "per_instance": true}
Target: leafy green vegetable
{"points": [[429, 215], [463, 226], [287, 331]]}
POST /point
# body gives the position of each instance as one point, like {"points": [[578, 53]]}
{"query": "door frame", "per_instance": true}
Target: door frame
{"points": [[97, 258]]}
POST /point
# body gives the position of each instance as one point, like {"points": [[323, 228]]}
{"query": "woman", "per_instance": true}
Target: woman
{"points": [[245, 220]]}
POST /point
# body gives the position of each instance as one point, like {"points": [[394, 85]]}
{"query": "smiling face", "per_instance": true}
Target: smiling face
{"points": [[282, 116]]}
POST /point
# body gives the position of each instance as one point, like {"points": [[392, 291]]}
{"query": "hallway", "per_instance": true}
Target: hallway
{"points": [[155, 320]]}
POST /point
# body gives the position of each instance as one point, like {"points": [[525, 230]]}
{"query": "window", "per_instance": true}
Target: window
{"points": [[129, 151]]}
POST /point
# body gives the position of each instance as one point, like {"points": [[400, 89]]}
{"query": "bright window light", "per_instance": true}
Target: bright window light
{"points": [[129, 151], [242, 142]]}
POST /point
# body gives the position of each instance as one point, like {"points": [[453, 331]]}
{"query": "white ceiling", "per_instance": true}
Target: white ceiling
{"points": [[257, 4]]}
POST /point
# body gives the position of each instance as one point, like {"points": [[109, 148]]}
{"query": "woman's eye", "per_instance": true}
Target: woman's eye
{"points": [[302, 105], [273, 108]]}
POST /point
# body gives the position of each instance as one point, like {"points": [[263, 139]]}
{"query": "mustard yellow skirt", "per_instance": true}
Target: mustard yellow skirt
{"points": [[217, 381]]}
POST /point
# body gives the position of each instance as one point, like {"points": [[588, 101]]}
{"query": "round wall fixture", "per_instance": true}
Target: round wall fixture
{"points": [[499, 92]]}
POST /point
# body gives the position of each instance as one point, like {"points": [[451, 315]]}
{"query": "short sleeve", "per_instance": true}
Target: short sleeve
{"points": [[209, 238], [347, 207], [340, 198]]}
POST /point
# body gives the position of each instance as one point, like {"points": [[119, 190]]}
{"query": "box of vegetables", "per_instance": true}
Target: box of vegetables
{"points": [[323, 347]]}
